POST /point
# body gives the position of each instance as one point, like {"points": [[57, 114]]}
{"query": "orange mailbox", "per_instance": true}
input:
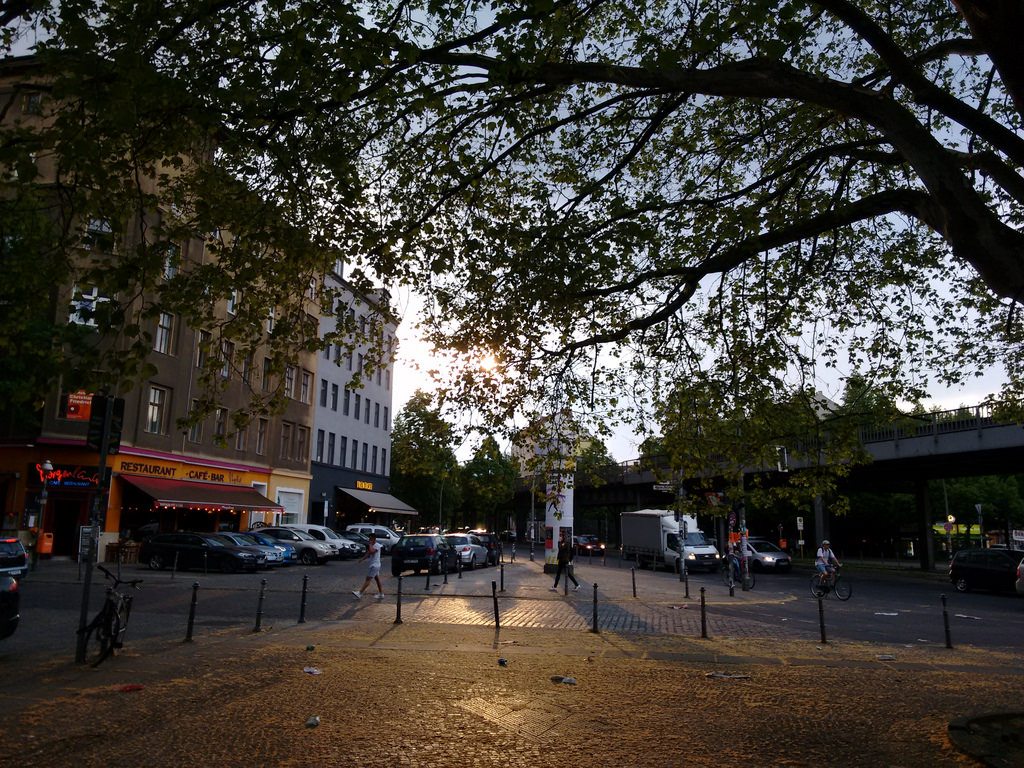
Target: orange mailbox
{"points": [[45, 544]]}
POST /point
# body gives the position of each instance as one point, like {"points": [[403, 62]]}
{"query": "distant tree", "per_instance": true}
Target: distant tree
{"points": [[424, 470], [488, 481]]}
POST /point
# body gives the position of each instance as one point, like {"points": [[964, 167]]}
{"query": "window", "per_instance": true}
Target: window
{"points": [[85, 300], [33, 104], [302, 443], [285, 450], [376, 415], [261, 437], [334, 397], [195, 432], [320, 440], [247, 368], [373, 466], [289, 382], [358, 406], [344, 407], [156, 416], [203, 349], [227, 354], [306, 387], [355, 453], [232, 306], [164, 333], [365, 455], [342, 451], [270, 321], [266, 374], [387, 379], [366, 411], [386, 427], [311, 294], [242, 439], [99, 235], [330, 448], [172, 260], [220, 422], [383, 461], [323, 393]]}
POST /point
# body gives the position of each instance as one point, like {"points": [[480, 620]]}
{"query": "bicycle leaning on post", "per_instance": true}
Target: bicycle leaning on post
{"points": [[105, 633], [831, 583], [732, 572]]}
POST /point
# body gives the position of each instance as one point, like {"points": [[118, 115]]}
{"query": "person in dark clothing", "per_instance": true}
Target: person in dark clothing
{"points": [[564, 563]]}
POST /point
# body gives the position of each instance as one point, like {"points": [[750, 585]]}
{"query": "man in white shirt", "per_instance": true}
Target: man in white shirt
{"points": [[823, 561], [373, 572]]}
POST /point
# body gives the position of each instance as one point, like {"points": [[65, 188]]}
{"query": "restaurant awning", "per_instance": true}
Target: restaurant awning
{"points": [[380, 502], [179, 493]]}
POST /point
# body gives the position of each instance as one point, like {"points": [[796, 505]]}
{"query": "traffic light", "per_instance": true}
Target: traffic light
{"points": [[94, 437]]}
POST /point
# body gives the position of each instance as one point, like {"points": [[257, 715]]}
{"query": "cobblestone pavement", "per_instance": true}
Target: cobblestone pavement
{"points": [[446, 688]]}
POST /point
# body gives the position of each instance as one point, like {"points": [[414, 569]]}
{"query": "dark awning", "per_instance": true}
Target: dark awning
{"points": [[380, 502], [179, 493]]}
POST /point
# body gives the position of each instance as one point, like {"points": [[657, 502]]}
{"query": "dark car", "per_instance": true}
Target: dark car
{"points": [[13, 561], [586, 544], [10, 599], [991, 569], [491, 541], [423, 551], [194, 550]]}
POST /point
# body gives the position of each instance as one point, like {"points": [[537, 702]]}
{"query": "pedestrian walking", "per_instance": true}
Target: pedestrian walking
{"points": [[373, 571], [564, 560]]}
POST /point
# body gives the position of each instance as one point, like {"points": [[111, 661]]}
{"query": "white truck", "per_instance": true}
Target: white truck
{"points": [[651, 537]]}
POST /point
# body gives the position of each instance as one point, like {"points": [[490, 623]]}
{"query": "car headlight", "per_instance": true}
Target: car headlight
{"points": [[769, 559]]}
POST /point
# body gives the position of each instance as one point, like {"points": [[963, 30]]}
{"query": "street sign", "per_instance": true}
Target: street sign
{"points": [[799, 523], [948, 526], [1018, 535], [664, 487]]}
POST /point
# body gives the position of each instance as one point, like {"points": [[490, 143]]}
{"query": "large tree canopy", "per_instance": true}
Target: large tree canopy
{"points": [[617, 197]]}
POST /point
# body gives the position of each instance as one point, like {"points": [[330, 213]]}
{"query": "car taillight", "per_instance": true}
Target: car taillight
{"points": [[431, 551]]}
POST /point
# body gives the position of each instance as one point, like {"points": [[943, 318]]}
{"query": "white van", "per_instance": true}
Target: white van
{"points": [[346, 548], [385, 536]]}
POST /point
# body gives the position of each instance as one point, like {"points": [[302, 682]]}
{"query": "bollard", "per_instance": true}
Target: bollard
{"points": [[458, 566], [703, 615], [633, 574], [494, 595], [821, 619], [427, 587], [594, 629], [398, 602], [302, 605], [259, 605], [945, 621], [174, 567], [192, 612], [206, 563], [686, 583], [502, 577], [446, 570]]}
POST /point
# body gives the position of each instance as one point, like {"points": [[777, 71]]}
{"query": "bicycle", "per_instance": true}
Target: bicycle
{"points": [[832, 583], [731, 573], [105, 633]]}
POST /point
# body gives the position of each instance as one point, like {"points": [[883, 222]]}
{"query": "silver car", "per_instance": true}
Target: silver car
{"points": [[765, 556], [471, 550], [274, 555]]}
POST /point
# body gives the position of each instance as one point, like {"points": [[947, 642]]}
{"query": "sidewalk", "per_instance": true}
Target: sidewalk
{"points": [[390, 694]]}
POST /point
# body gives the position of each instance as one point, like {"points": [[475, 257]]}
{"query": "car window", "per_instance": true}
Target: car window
{"points": [[765, 546], [458, 539], [417, 541]]}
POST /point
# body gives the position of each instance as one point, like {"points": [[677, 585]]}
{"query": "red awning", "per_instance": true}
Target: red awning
{"points": [[180, 493]]}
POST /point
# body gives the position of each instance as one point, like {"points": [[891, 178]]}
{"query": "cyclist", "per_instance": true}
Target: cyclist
{"points": [[824, 560]]}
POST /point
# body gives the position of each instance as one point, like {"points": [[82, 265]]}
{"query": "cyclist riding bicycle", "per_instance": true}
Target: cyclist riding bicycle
{"points": [[824, 560]]}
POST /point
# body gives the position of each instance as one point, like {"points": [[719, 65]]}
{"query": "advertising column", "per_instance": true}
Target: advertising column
{"points": [[558, 508]]}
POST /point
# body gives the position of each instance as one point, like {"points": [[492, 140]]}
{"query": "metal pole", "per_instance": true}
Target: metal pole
{"points": [[945, 621], [259, 605], [494, 596], [398, 602], [302, 606], [594, 628], [502, 577], [632, 572], [821, 619], [192, 612], [703, 615]]}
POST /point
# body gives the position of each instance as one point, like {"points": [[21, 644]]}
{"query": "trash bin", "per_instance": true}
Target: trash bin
{"points": [[44, 544]]}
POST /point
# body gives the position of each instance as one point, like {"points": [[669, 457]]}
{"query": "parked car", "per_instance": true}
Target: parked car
{"points": [[470, 550], [13, 560], [423, 551], [356, 538], [195, 550], [766, 556], [311, 551], [991, 569], [385, 535], [10, 602], [587, 544], [490, 540], [346, 549], [1020, 579], [290, 555], [274, 556]]}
